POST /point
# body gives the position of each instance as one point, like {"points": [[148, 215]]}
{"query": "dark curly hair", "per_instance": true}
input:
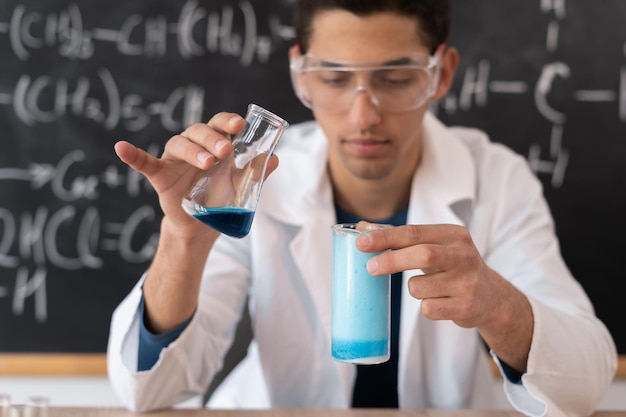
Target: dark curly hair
{"points": [[433, 16]]}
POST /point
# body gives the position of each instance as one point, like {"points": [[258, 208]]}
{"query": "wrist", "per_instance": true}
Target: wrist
{"points": [[192, 233]]}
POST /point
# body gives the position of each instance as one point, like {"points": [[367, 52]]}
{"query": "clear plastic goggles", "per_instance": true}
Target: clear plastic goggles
{"points": [[395, 86]]}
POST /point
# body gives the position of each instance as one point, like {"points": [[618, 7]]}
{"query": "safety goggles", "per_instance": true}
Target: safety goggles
{"points": [[395, 86]]}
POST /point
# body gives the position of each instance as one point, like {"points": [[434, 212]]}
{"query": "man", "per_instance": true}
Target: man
{"points": [[475, 259]]}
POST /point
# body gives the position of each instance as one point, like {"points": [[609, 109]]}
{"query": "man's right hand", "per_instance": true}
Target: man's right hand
{"points": [[185, 157], [173, 281]]}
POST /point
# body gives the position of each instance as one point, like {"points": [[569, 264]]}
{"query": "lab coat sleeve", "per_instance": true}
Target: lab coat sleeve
{"points": [[572, 361], [186, 367], [151, 389], [573, 358]]}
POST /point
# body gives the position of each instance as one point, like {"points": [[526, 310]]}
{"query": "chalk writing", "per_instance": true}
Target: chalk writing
{"points": [[78, 227], [70, 229], [478, 84], [34, 236], [75, 98], [147, 36]]}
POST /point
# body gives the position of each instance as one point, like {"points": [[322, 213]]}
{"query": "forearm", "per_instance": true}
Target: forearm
{"points": [[173, 280], [509, 335]]}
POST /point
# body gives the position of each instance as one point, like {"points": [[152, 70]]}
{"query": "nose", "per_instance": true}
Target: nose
{"points": [[364, 110]]}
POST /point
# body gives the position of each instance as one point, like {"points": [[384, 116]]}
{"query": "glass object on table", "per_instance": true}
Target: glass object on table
{"points": [[37, 406], [5, 405]]}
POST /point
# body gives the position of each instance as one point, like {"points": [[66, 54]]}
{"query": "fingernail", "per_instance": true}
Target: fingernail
{"points": [[364, 240], [203, 156], [372, 266], [219, 145]]}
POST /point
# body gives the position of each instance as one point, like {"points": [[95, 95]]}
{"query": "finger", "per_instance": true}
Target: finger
{"points": [[213, 140], [446, 285], [435, 285], [227, 123], [427, 257], [272, 164], [444, 308], [444, 305], [437, 304], [365, 226], [136, 158], [210, 142], [410, 235], [181, 148], [254, 170]]}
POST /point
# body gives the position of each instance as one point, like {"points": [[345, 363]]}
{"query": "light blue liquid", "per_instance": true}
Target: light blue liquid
{"points": [[370, 352], [361, 308]]}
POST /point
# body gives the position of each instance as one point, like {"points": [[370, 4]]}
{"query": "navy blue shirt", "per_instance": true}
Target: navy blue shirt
{"points": [[150, 344]]}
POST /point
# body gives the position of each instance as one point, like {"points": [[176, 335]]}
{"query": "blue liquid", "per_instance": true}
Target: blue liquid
{"points": [[350, 350], [232, 221]]}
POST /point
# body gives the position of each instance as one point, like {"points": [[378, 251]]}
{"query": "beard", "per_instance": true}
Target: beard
{"points": [[369, 169]]}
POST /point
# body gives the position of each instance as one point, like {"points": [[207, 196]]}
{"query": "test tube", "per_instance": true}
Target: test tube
{"points": [[37, 406], [5, 405]]}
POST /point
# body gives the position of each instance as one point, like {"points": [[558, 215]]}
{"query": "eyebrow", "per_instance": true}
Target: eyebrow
{"points": [[405, 60], [398, 61], [392, 62]]}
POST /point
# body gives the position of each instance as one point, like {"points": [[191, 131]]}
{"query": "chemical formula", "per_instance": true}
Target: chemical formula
{"points": [[480, 83]]}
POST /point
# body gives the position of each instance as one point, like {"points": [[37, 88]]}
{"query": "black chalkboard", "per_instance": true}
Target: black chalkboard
{"points": [[77, 228]]}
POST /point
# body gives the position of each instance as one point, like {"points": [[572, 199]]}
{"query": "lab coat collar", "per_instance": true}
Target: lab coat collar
{"points": [[446, 177], [292, 198]]}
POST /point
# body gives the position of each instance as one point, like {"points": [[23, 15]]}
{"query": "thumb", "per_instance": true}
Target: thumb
{"points": [[272, 164]]}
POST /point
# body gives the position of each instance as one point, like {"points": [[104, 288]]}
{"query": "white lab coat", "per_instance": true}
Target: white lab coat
{"points": [[284, 264]]}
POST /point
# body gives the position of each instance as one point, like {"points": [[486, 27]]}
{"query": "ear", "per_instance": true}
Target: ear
{"points": [[449, 64], [294, 51]]}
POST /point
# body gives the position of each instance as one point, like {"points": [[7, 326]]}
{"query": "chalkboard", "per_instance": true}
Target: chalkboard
{"points": [[77, 228]]}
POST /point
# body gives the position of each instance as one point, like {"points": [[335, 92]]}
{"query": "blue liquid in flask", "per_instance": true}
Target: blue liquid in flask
{"points": [[232, 221]]}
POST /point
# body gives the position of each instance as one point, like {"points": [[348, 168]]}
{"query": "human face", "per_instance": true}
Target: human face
{"points": [[365, 141]]}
